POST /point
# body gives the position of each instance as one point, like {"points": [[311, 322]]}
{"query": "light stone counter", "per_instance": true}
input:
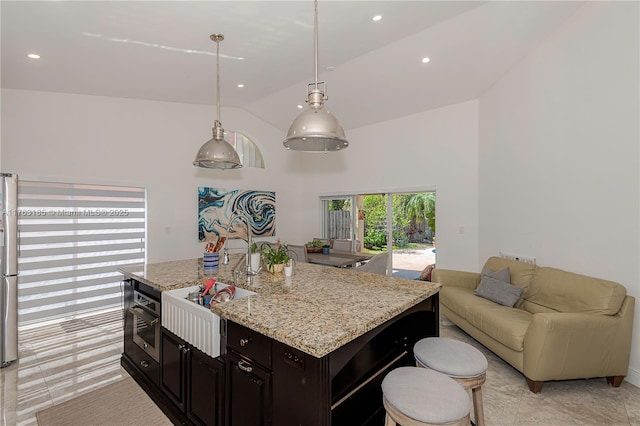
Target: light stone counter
{"points": [[317, 310]]}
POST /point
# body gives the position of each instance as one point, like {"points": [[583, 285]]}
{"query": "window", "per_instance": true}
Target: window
{"points": [[247, 150], [73, 237], [337, 217]]}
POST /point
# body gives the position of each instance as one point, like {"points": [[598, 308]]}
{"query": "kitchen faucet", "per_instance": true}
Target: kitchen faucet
{"points": [[225, 257]]}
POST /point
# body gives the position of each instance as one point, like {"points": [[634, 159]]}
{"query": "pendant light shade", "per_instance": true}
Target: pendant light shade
{"points": [[316, 129], [216, 153]]}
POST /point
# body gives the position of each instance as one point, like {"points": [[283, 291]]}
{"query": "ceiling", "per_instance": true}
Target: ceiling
{"points": [[160, 50]]}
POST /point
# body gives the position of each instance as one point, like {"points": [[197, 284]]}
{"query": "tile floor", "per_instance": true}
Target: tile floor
{"points": [[62, 360], [58, 362], [508, 401]]}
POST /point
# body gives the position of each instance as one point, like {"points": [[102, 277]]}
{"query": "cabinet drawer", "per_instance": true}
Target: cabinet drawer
{"points": [[249, 343], [147, 365]]}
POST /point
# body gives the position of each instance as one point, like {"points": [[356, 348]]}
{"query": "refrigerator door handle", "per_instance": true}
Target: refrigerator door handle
{"points": [[9, 321]]}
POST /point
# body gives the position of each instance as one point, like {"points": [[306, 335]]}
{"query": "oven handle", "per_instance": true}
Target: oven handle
{"points": [[146, 317]]}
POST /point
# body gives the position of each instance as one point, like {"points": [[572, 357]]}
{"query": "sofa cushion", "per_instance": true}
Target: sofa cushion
{"points": [[520, 272], [506, 325], [458, 299], [498, 291], [564, 291], [425, 275], [500, 275]]}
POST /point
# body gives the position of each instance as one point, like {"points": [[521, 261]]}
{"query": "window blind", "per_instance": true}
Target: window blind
{"points": [[72, 239]]}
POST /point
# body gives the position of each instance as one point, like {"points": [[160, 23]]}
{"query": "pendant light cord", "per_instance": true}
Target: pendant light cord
{"points": [[218, 80], [315, 39]]}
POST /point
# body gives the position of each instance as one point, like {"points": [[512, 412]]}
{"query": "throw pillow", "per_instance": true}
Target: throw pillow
{"points": [[498, 291], [503, 275], [425, 275]]}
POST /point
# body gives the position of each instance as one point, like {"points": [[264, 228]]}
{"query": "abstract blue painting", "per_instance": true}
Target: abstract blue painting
{"points": [[217, 206]]}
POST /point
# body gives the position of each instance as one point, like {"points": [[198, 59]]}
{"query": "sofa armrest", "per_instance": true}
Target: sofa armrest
{"points": [[456, 278], [570, 346]]}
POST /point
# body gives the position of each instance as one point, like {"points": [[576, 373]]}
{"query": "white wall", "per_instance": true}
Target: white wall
{"points": [[75, 138], [434, 149], [545, 164], [559, 153]]}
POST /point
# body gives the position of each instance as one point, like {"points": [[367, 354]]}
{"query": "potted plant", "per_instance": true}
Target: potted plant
{"points": [[314, 246], [276, 257]]}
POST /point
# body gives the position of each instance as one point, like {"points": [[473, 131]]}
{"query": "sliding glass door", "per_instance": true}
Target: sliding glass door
{"points": [[401, 223]]}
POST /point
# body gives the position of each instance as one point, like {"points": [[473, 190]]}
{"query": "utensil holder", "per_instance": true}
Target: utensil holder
{"points": [[210, 261]]}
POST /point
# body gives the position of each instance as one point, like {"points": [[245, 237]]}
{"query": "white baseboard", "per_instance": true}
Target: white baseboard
{"points": [[633, 377]]}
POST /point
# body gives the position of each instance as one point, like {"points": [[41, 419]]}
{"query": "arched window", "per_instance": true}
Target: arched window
{"points": [[249, 153]]}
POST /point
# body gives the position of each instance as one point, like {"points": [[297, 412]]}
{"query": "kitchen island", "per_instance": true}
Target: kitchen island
{"points": [[312, 348]]}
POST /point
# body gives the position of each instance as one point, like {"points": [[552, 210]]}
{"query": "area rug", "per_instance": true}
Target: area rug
{"points": [[121, 403]]}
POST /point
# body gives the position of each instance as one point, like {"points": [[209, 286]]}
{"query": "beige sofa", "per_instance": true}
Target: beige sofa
{"points": [[564, 326]]}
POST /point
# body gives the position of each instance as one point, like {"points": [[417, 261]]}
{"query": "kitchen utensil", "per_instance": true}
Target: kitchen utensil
{"points": [[224, 295], [210, 284], [220, 243], [194, 296]]}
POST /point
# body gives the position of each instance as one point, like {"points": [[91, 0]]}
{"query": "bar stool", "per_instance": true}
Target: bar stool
{"points": [[458, 360], [414, 396]]}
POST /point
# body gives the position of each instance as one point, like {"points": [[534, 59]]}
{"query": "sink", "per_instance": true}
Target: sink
{"points": [[192, 322]]}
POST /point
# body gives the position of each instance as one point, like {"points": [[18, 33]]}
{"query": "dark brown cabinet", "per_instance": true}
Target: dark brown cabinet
{"points": [[192, 380], [259, 381], [269, 382], [205, 404], [249, 378], [249, 392]]}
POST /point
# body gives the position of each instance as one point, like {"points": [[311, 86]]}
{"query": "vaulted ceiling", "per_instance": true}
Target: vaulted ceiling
{"points": [[160, 50]]}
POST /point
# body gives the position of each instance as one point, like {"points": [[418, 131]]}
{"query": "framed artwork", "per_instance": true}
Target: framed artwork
{"points": [[217, 206]]}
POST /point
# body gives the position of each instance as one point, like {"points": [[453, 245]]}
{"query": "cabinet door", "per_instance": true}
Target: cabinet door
{"points": [[248, 392], [173, 367], [205, 389]]}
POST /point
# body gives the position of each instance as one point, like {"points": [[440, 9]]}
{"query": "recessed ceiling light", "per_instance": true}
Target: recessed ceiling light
{"points": [[425, 60], [377, 18], [240, 85], [330, 68], [300, 107], [33, 56]]}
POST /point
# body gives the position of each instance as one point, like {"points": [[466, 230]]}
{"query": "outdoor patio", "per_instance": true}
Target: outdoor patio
{"points": [[409, 263]]}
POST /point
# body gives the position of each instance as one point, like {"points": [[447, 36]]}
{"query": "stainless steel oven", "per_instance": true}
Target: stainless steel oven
{"points": [[146, 324]]}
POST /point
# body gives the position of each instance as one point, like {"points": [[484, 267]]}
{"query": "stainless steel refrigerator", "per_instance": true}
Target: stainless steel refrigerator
{"points": [[9, 269]]}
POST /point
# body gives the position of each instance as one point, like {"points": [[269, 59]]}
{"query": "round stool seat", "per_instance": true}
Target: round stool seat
{"points": [[451, 357], [425, 395]]}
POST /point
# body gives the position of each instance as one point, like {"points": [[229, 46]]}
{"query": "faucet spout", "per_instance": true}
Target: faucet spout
{"points": [[246, 219]]}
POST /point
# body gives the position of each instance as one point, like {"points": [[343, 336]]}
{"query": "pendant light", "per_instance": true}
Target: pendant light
{"points": [[216, 153], [316, 129]]}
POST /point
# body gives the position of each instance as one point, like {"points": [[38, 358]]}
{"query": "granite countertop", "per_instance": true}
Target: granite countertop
{"points": [[317, 310]]}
